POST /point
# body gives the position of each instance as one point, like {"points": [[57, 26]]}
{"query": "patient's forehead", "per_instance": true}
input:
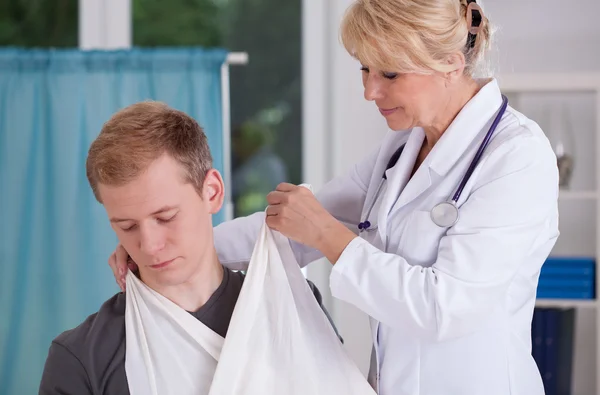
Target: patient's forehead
{"points": [[162, 184]]}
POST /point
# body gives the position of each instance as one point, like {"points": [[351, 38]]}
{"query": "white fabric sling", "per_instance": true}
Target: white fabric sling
{"points": [[279, 341], [167, 350]]}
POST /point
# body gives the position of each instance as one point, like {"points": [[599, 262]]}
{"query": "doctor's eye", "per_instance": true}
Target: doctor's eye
{"points": [[364, 69], [390, 76]]}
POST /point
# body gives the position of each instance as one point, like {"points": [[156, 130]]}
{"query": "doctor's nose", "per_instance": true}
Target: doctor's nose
{"points": [[152, 241], [373, 89]]}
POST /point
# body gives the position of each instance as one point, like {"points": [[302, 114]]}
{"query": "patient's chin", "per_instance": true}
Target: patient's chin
{"points": [[169, 275]]}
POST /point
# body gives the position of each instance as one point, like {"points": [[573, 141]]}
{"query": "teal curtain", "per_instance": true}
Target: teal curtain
{"points": [[55, 239]]}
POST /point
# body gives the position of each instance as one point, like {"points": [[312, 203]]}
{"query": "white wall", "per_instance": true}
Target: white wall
{"points": [[532, 35], [545, 35]]}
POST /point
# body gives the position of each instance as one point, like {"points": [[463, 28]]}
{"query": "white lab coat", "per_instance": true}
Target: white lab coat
{"points": [[450, 308]]}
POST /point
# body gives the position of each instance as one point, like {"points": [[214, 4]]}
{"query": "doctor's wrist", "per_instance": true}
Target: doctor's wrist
{"points": [[333, 241]]}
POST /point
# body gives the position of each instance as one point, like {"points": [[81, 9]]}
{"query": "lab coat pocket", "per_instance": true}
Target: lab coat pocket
{"points": [[420, 239]]}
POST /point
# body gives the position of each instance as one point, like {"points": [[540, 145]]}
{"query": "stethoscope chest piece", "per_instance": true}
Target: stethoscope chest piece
{"points": [[445, 214]]}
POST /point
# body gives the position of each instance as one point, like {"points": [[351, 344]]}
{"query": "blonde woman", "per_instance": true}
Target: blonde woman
{"points": [[440, 233]]}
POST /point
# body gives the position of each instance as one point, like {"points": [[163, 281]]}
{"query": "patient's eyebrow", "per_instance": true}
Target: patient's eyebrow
{"points": [[159, 211]]}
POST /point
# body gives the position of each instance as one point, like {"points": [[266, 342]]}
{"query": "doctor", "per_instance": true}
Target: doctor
{"points": [[439, 234]]}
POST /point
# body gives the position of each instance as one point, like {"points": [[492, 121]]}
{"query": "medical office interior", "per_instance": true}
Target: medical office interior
{"points": [[284, 103]]}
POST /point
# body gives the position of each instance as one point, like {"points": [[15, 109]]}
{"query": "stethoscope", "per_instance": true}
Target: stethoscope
{"points": [[443, 214]]}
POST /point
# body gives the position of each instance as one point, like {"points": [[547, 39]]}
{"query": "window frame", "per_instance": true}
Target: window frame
{"points": [[105, 24], [108, 24]]}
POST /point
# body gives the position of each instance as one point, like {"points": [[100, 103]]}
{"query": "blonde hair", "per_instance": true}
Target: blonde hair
{"points": [[138, 135], [412, 36]]}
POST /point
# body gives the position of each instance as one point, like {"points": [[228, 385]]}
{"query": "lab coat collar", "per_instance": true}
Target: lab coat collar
{"points": [[468, 128], [470, 122]]}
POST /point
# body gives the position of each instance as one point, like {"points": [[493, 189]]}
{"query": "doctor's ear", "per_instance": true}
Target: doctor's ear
{"points": [[458, 62]]}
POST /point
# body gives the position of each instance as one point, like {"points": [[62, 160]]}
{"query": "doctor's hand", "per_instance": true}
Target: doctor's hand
{"points": [[119, 261], [296, 213]]}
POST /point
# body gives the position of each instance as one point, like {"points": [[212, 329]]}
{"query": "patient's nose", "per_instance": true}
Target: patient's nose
{"points": [[152, 240]]}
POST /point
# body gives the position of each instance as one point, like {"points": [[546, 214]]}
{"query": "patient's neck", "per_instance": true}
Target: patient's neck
{"points": [[193, 293]]}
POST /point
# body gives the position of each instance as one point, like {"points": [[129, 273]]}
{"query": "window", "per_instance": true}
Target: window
{"points": [[266, 96], [39, 23]]}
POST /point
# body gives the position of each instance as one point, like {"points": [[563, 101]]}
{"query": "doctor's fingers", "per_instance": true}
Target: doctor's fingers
{"points": [[112, 262], [281, 197], [281, 216], [124, 260], [277, 210], [294, 196], [276, 197], [286, 187], [122, 263], [293, 224]]}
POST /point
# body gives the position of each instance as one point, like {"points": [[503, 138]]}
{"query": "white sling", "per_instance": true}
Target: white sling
{"points": [[279, 341], [168, 351]]}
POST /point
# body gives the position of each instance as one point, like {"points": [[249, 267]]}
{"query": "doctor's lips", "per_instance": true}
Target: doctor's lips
{"points": [[387, 111]]}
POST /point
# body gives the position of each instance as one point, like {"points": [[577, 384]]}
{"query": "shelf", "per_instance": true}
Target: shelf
{"points": [[565, 303], [577, 195]]}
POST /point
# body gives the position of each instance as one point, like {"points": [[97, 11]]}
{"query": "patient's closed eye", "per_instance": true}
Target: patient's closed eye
{"points": [[160, 220], [169, 219], [129, 228]]}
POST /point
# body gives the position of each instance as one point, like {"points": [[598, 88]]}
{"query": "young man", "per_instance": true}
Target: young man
{"points": [[151, 168]]}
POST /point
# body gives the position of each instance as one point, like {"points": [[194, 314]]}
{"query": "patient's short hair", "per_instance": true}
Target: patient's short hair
{"points": [[139, 134]]}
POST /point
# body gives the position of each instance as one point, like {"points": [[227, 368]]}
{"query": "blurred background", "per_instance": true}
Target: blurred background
{"points": [[291, 111]]}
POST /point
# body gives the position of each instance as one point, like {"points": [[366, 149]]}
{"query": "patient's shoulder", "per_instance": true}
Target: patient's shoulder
{"points": [[89, 358], [104, 328]]}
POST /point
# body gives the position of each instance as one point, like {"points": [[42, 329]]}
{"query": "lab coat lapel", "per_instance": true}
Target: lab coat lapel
{"points": [[399, 186], [381, 202], [420, 181]]}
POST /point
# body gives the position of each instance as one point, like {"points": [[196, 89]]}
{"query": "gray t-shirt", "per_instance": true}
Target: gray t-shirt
{"points": [[90, 359]]}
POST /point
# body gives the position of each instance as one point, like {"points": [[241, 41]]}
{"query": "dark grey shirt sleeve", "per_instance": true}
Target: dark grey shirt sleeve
{"points": [[56, 380]]}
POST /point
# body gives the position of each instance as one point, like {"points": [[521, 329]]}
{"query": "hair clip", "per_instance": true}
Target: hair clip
{"points": [[474, 19]]}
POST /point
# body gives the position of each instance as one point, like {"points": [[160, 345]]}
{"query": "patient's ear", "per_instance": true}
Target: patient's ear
{"points": [[213, 190]]}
